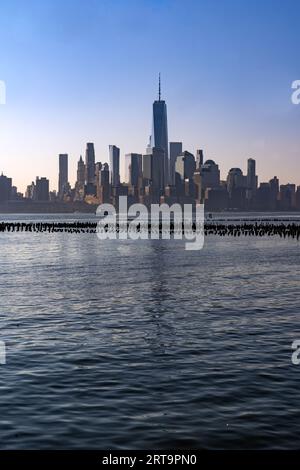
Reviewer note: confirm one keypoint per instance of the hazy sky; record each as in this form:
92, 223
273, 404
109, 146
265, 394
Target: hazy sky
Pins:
79, 71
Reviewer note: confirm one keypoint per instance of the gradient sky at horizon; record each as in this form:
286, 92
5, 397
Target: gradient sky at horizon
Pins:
79, 71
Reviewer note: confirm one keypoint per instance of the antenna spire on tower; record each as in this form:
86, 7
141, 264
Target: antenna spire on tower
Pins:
159, 87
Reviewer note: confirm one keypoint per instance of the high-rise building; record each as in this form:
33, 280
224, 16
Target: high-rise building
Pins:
216, 198
153, 172
199, 159
175, 150
98, 168
252, 183
114, 165
274, 192
30, 190
159, 136
5, 188
41, 192
251, 175
133, 168
103, 193
297, 198
210, 175
236, 179
15, 195
80, 173
158, 171
80, 181
147, 165
90, 164
63, 173
198, 186
185, 165
263, 197
287, 196
237, 188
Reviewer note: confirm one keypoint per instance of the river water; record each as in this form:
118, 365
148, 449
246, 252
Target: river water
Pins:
142, 344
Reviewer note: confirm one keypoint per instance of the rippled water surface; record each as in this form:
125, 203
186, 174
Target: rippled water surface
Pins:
145, 345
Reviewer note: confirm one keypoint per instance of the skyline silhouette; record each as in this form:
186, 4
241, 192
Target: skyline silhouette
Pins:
165, 173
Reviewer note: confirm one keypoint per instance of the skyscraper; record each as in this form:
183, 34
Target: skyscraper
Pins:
199, 159
153, 172
287, 194
103, 186
147, 167
5, 188
159, 136
251, 175
90, 164
80, 173
252, 184
63, 173
237, 188
41, 189
274, 188
185, 165
157, 172
175, 150
98, 168
210, 175
114, 165
79, 186
236, 179
133, 168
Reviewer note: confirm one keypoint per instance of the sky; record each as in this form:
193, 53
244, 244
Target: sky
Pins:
87, 71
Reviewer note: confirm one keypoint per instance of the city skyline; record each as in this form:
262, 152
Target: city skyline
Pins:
73, 160
165, 173
228, 89
117, 161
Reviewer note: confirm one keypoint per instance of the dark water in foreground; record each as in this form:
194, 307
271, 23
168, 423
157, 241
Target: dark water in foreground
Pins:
145, 345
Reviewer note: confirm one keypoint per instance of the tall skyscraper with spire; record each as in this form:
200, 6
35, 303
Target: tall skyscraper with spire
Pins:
159, 136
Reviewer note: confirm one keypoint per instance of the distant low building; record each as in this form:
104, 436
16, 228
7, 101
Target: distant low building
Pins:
263, 197
237, 189
297, 198
287, 197
216, 199
209, 177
